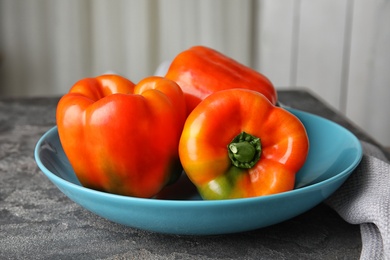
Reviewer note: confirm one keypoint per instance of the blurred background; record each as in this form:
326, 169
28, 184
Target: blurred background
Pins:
338, 49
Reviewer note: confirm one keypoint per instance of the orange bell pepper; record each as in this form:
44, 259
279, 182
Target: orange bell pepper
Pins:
200, 71
120, 137
237, 144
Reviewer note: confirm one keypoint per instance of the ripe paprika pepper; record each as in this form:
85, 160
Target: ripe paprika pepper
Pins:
236, 144
200, 71
120, 137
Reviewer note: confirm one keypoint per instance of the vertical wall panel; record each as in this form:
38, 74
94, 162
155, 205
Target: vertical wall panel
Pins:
178, 26
107, 37
274, 40
226, 26
67, 44
321, 46
139, 20
220, 24
10, 56
43, 47
369, 78
22, 49
122, 37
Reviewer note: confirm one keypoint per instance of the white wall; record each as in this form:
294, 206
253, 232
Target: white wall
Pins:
339, 49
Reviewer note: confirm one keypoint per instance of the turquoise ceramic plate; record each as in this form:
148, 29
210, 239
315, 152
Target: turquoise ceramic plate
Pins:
334, 154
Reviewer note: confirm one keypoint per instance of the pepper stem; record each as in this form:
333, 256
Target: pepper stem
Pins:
244, 150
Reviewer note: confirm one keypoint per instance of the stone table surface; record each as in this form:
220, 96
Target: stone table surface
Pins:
37, 221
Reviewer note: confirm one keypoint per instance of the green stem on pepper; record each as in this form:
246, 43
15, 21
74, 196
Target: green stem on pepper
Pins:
244, 150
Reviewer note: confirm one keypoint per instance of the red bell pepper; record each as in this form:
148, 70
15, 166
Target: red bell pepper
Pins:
201, 71
120, 137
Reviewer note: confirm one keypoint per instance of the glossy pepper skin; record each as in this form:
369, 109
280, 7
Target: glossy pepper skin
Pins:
200, 71
120, 137
267, 144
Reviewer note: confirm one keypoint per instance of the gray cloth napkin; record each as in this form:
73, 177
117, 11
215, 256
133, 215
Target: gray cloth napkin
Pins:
364, 199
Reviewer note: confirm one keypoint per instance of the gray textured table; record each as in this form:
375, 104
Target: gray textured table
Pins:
38, 222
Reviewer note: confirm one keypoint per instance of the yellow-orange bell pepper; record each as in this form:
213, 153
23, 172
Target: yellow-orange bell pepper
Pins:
237, 144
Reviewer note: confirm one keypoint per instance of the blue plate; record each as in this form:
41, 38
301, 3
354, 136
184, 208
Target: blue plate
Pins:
334, 154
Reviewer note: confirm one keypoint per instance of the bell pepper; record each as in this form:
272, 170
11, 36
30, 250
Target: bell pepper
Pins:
237, 144
120, 137
200, 71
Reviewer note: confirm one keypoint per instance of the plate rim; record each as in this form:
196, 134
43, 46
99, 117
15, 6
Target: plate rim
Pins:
200, 202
